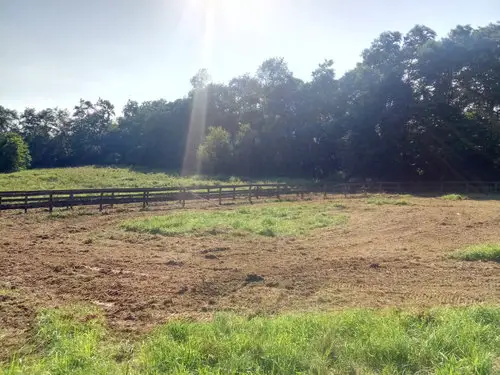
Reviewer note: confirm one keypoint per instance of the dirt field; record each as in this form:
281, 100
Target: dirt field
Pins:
385, 256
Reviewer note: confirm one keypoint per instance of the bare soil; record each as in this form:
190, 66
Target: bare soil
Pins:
386, 256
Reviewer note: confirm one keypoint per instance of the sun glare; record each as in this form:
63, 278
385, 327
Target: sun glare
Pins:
233, 14
211, 18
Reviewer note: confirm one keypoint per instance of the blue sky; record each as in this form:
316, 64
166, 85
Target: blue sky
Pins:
55, 52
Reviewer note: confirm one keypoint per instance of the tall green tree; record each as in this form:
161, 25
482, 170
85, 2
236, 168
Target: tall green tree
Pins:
14, 153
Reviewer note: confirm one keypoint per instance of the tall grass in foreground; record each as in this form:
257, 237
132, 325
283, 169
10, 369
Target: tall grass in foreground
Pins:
438, 341
485, 252
283, 219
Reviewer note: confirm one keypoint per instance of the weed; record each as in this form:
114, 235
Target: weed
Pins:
381, 200
484, 252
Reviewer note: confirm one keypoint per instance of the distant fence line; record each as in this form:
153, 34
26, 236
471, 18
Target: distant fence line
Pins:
24, 200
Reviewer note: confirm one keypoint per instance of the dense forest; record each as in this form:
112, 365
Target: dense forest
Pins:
415, 107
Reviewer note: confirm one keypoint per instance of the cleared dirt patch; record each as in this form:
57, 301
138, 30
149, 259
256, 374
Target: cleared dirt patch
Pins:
386, 255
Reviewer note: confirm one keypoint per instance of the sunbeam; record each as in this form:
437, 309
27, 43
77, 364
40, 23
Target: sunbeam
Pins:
197, 122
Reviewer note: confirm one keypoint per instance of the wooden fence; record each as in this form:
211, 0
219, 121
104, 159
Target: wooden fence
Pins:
50, 199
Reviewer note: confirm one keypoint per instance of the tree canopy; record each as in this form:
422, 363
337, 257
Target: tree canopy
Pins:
415, 107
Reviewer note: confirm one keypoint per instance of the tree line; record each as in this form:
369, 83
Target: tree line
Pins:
415, 107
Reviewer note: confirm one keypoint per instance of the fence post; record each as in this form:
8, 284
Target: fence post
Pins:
112, 199
26, 203
100, 201
278, 191
208, 194
250, 193
71, 196
220, 196
144, 200
234, 193
183, 197
51, 203
324, 191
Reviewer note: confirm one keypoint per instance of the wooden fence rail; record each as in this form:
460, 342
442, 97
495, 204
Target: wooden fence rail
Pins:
51, 199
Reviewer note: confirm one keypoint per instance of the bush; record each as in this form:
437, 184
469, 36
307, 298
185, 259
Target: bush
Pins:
14, 153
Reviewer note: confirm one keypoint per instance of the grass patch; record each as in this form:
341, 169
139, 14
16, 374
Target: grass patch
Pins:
454, 197
275, 220
437, 341
67, 341
380, 200
105, 177
484, 252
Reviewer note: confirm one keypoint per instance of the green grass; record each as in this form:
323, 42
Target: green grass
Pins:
438, 341
381, 200
68, 341
483, 252
283, 219
454, 197
101, 177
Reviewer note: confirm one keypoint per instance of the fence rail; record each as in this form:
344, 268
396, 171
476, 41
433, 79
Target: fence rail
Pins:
24, 200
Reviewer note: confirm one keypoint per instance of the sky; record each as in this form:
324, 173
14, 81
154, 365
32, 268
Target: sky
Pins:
54, 52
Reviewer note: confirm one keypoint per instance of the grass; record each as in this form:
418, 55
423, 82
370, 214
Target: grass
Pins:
101, 177
439, 341
483, 252
283, 219
381, 200
454, 197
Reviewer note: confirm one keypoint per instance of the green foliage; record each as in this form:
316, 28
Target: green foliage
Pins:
274, 220
14, 153
215, 153
437, 341
68, 341
484, 252
454, 197
380, 200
